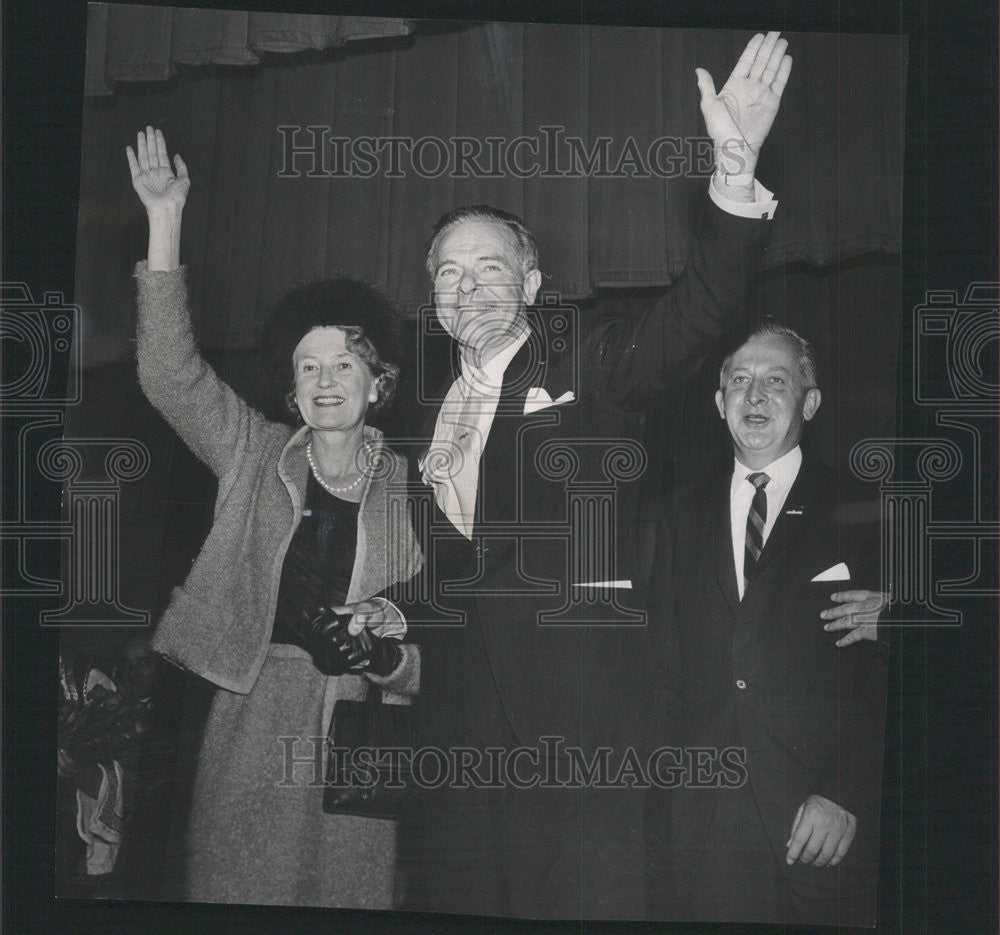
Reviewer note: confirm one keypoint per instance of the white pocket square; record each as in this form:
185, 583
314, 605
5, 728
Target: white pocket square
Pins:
537, 399
837, 572
625, 584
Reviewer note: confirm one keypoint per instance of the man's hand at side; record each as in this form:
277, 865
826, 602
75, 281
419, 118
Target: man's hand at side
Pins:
821, 833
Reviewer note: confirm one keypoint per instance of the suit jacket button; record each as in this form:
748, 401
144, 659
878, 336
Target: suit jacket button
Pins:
740, 684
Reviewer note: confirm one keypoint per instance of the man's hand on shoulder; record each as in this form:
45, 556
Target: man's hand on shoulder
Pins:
821, 833
857, 612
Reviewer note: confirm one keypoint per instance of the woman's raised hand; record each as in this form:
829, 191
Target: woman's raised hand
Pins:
156, 183
163, 193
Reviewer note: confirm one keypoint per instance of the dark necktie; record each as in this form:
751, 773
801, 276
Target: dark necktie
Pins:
756, 519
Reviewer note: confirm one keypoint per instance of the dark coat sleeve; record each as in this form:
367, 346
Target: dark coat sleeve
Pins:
664, 647
636, 358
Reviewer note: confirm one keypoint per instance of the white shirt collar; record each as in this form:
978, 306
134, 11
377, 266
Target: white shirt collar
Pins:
782, 471
488, 379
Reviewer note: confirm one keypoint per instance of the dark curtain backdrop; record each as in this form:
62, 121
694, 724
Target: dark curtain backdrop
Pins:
833, 158
831, 268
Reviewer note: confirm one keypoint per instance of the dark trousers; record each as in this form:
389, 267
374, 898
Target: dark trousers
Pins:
530, 853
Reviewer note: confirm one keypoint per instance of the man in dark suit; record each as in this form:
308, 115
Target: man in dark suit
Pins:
533, 650
750, 560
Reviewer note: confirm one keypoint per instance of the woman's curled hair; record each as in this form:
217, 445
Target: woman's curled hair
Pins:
368, 318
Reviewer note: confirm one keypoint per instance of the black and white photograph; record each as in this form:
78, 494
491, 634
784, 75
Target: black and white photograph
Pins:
528, 468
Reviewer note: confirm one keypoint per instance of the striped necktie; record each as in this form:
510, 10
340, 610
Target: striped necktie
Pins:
756, 518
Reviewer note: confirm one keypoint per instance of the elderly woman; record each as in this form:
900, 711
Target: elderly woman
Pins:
302, 520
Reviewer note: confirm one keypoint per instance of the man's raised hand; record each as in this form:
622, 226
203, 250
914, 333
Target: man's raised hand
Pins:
739, 117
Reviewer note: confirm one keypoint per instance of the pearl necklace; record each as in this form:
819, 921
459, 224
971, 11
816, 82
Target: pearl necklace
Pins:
329, 488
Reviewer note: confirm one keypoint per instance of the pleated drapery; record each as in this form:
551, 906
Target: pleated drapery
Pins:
147, 43
305, 166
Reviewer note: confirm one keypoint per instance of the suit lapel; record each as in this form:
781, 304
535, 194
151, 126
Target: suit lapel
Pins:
530, 367
500, 474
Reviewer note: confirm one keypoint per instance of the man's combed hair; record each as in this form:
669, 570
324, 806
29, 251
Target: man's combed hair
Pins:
368, 318
527, 247
808, 368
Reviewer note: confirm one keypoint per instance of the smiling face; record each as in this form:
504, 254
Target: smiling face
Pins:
333, 385
480, 286
764, 400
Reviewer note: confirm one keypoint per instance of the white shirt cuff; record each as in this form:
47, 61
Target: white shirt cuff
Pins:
763, 205
395, 629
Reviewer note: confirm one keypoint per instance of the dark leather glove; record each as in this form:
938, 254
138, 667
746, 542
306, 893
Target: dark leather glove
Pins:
383, 655
325, 636
336, 651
